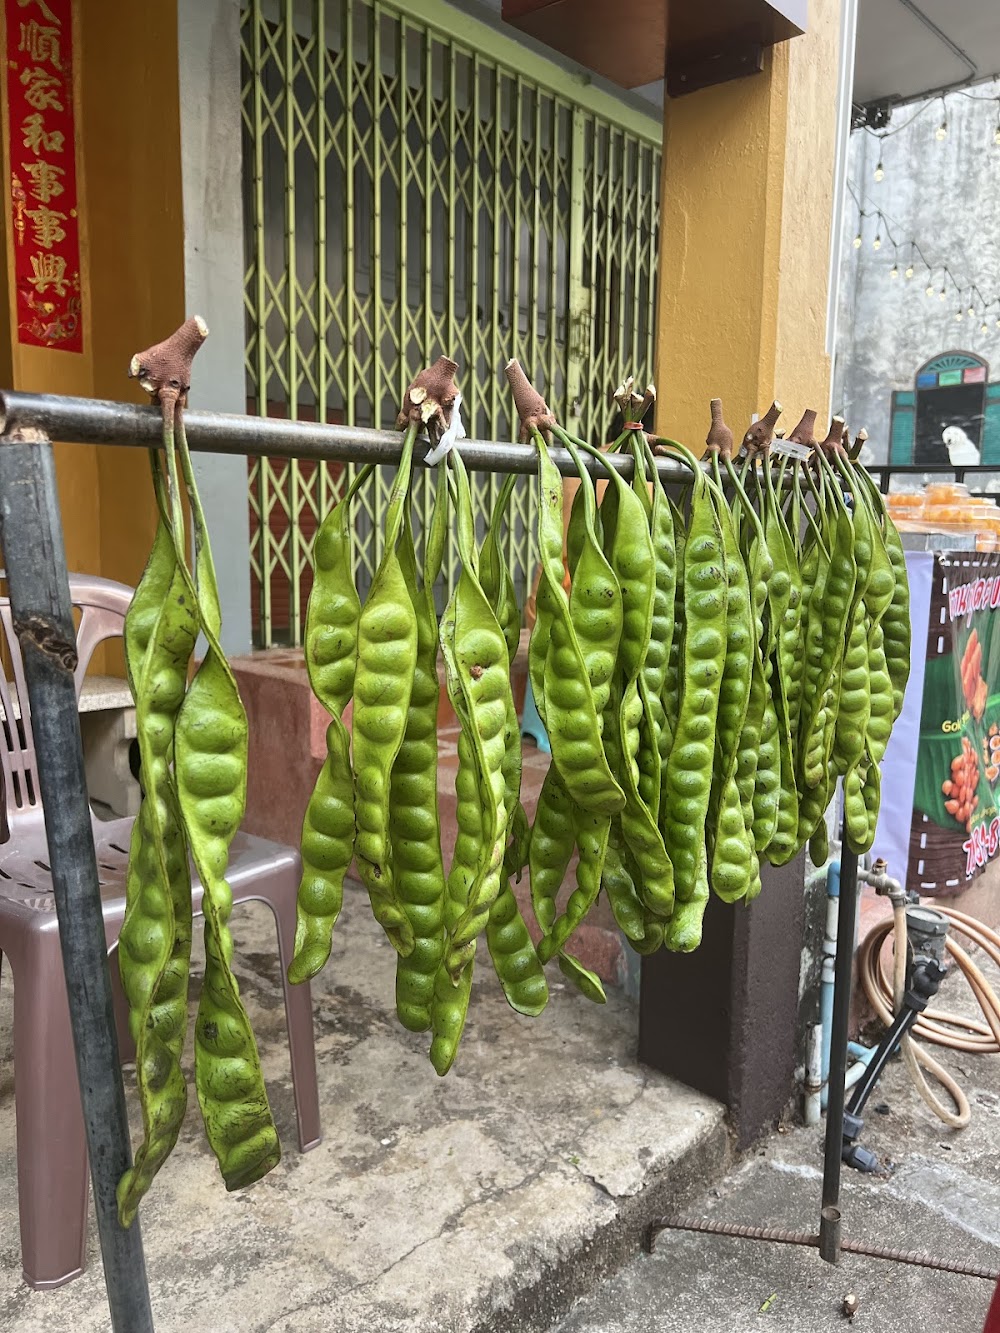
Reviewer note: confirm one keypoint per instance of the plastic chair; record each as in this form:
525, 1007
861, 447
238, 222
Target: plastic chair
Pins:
52, 1174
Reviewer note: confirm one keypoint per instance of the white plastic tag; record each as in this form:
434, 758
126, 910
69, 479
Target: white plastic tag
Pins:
789, 449
454, 433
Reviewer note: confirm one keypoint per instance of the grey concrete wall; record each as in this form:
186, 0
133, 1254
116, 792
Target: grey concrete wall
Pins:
946, 196
209, 44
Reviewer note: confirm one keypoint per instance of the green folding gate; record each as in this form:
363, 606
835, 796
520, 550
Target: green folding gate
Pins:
416, 183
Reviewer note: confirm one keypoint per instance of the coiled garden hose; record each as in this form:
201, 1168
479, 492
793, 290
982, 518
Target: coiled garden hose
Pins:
936, 1026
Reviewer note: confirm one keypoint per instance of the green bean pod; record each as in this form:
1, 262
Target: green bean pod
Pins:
855, 699
478, 668
514, 958
587, 983
620, 888
838, 594
688, 777
450, 1001
331, 653
671, 694
387, 655
551, 847
654, 666
881, 690
415, 832
591, 834
155, 939
570, 719
733, 866
210, 758
855, 812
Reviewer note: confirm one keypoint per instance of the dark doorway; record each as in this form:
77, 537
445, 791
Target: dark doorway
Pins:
951, 405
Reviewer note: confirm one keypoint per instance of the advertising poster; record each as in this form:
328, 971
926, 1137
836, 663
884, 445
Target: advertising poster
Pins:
955, 826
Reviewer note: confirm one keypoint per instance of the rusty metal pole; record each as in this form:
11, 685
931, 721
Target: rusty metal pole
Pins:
32, 538
829, 1218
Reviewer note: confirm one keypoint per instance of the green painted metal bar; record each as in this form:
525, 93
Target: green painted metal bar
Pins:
517, 203
495, 415
450, 300
333, 74
404, 212
263, 530
350, 259
322, 313
292, 472
654, 258
551, 325
536, 230
528, 59
378, 309
577, 315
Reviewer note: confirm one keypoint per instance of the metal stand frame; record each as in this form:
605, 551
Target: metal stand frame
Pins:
843, 975
31, 535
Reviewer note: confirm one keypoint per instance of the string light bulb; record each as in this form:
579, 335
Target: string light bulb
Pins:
877, 243
895, 272
942, 294
984, 327
930, 289
996, 132
880, 171
971, 311
909, 270
857, 241
941, 132
959, 314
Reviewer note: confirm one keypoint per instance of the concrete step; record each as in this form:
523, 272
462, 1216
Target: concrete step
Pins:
938, 1193
488, 1200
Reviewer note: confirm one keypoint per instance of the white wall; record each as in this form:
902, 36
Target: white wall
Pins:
209, 45
946, 195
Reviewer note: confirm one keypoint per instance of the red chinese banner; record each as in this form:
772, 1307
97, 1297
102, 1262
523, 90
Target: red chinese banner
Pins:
45, 225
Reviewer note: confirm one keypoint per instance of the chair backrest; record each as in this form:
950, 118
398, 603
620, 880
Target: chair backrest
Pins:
101, 604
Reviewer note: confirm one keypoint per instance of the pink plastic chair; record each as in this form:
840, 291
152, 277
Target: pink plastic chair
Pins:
52, 1173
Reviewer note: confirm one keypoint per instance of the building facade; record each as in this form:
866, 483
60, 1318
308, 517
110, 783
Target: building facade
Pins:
918, 351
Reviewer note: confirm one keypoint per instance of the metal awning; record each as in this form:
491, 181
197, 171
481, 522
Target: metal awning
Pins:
909, 49
634, 42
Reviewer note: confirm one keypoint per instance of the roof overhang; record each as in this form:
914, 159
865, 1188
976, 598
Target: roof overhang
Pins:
911, 49
637, 42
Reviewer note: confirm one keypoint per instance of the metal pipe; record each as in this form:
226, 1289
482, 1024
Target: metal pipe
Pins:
97, 421
31, 533
829, 1227
779, 1236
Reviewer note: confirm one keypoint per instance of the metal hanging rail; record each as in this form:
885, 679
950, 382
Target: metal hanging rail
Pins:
98, 421
32, 539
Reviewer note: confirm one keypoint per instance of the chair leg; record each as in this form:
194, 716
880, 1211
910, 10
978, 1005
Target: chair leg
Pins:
52, 1176
126, 1046
299, 1018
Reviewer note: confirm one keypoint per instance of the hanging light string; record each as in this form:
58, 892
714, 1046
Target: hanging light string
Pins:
941, 132
912, 251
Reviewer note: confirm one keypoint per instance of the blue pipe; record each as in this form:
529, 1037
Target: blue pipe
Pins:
531, 724
861, 1054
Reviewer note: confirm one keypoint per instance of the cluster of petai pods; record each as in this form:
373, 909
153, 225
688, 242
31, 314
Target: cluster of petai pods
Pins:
708, 661
193, 749
709, 658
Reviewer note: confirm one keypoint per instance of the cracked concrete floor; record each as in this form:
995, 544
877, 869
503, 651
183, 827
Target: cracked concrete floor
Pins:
483, 1201
937, 1192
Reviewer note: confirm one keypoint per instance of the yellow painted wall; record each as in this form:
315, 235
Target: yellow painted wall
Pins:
745, 229
132, 251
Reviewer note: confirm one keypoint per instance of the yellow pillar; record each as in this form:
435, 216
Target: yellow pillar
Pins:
744, 239
127, 122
